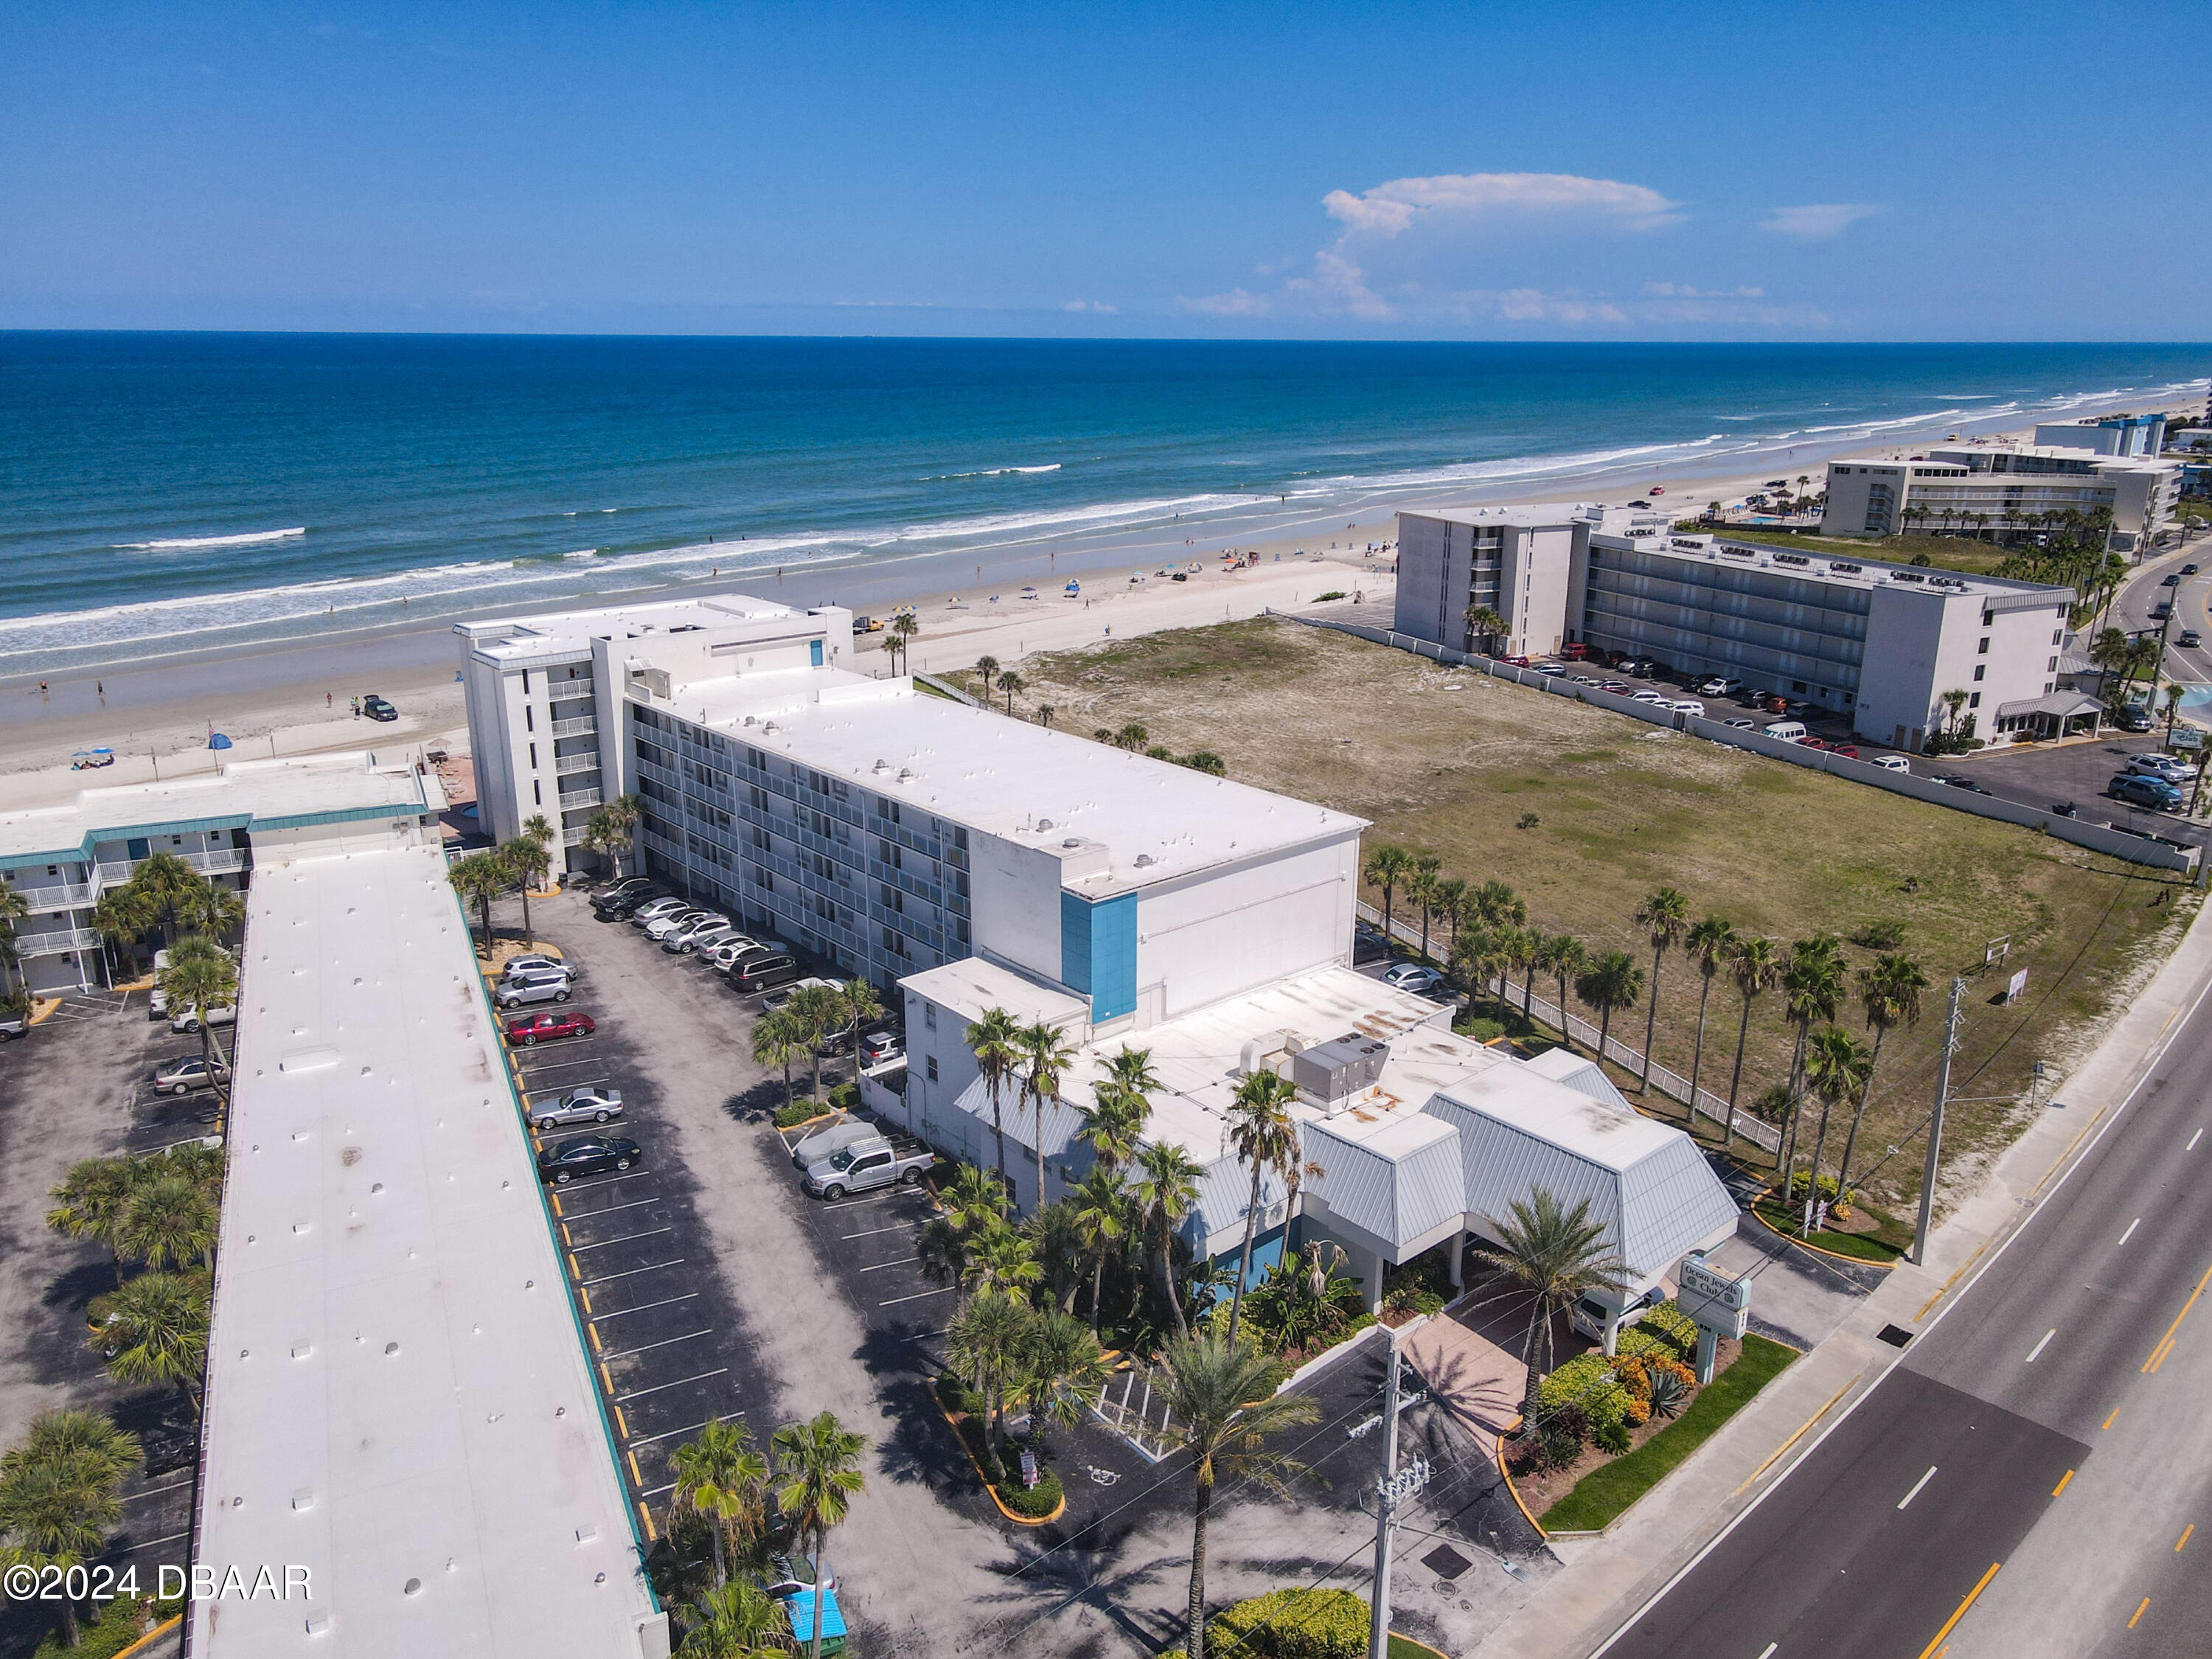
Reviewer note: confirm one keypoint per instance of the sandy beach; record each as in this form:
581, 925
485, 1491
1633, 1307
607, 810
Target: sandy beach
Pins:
295, 699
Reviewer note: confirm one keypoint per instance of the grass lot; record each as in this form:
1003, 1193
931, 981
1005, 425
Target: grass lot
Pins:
1962, 553
1605, 1491
1891, 1239
1450, 762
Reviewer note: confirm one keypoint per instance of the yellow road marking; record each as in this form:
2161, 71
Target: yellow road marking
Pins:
2107, 1423
557, 1204
574, 1272
592, 1331
566, 1236
1952, 1623
2064, 1481
1800, 1435
622, 1424
2166, 1343
2141, 1609
584, 1297
634, 1473
1949, 1282
606, 1378
2183, 1539
651, 1537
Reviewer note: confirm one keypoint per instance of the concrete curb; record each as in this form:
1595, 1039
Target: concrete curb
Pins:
152, 1636
1833, 1255
990, 1488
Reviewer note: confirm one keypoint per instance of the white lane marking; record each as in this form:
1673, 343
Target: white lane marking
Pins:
1767, 1652
2131, 1233
1916, 1486
917, 1297
2193, 1139
2039, 1346
903, 1226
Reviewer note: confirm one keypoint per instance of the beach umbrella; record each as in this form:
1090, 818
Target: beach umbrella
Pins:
216, 740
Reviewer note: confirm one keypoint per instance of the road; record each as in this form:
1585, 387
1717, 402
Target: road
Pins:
2023, 1480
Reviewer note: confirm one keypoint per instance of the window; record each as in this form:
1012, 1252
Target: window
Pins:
1974, 702
933, 1062
1980, 668
929, 1015
537, 792
2051, 667
533, 756
2058, 636
1983, 649
526, 681
529, 717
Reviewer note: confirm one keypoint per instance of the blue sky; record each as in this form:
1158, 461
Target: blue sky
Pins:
1973, 171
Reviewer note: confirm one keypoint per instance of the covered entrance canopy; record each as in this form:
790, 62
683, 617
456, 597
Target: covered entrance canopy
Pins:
2060, 714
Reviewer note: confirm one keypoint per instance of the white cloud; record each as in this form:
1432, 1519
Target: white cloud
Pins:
1099, 305
1390, 209
1686, 291
1817, 221
1237, 302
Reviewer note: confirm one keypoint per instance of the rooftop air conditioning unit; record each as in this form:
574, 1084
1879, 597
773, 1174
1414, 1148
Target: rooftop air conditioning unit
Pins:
1333, 1074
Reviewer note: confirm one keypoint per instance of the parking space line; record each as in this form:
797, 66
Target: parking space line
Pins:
151, 1542
669, 1302
662, 1387
670, 1434
895, 1301
586, 1215
155, 1491
872, 1231
896, 1261
655, 1491
593, 1185
609, 1279
624, 1353
627, 1238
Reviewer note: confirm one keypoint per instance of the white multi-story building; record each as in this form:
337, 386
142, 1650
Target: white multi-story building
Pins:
62, 860
1510, 560
2005, 489
2110, 434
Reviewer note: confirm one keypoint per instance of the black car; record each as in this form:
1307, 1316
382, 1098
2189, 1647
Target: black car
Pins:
1959, 780
2160, 612
2189, 570
2133, 720
378, 709
170, 1446
2173, 579
2189, 638
614, 906
760, 973
589, 1156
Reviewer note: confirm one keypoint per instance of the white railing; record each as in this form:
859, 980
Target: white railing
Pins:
580, 726
1710, 1105
574, 837
222, 861
564, 765
578, 798
60, 896
53, 943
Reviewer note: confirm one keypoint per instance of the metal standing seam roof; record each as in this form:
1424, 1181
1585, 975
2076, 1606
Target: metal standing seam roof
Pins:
1399, 1194
398, 1398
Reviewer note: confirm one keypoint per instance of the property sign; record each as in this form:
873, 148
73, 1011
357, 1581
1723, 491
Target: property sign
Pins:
2185, 739
2016, 987
1717, 1302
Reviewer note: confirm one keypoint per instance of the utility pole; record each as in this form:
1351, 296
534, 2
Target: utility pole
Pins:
1936, 1124
1378, 1623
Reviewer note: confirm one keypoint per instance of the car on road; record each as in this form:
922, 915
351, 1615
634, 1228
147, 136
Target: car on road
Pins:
867, 1165
2189, 570
378, 708
759, 973
1960, 781
2173, 579
653, 910
590, 1155
2160, 612
576, 1106
2190, 639
2138, 790
2134, 718
189, 1020
181, 1076
1892, 763
2172, 768
1412, 976
810, 1150
516, 967
535, 1029
527, 990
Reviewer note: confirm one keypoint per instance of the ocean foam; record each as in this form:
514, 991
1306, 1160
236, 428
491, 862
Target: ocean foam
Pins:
177, 543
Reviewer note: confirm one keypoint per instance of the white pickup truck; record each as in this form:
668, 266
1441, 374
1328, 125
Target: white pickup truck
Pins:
867, 1165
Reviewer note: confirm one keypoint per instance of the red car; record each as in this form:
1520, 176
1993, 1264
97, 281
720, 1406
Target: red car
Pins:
1814, 743
545, 1027
1848, 750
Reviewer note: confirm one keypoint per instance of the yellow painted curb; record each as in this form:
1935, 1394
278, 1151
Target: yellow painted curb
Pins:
152, 1636
1833, 1255
989, 1487
42, 1008
1505, 1474
804, 1122
1399, 1636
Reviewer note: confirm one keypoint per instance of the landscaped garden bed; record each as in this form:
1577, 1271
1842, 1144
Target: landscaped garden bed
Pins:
1001, 1472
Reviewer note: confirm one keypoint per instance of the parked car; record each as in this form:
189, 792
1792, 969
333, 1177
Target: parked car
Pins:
2134, 718
2065, 809
527, 990
377, 709
577, 1106
616, 903
1742, 723
1554, 669
516, 967
1648, 696
2139, 790
1848, 750
877, 1047
189, 1019
1641, 667
1892, 763
1814, 743
670, 921
170, 1446
1582, 679
1588, 1316
1688, 706
2172, 768
1618, 688
1721, 686
181, 1076
810, 1150
683, 939
590, 1156
867, 1165
2190, 638
653, 910
546, 1027
1411, 976
759, 973
731, 949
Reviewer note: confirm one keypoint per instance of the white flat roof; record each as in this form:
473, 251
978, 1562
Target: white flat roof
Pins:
570, 633
268, 792
1148, 820
1612, 1137
1536, 515
398, 1395
1841, 569
972, 986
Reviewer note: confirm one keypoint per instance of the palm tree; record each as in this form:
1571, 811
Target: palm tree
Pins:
1388, 865
1524, 948
820, 1463
1100, 1218
1011, 682
1812, 987
168, 884
815, 1009
739, 1620
944, 1254
622, 815
156, 1332
211, 909
1167, 1191
1559, 1256
1495, 904
1421, 889
1045, 1057
985, 667
1003, 1264
201, 978
1062, 1369
1566, 957
1478, 956
1262, 1133
975, 1200
1664, 916
992, 1040
903, 628
479, 878
525, 860
1837, 1066
777, 1040
14, 908
1044, 713
61, 1493
122, 917
1484, 624
90, 1198
985, 1345
1954, 701
1132, 737
1222, 1409
1753, 963
168, 1220
1451, 899
722, 1478
1889, 993
1613, 981
1120, 1104
1050, 1231
862, 1007
1709, 943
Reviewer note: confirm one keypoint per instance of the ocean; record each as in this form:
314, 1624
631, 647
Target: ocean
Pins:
171, 492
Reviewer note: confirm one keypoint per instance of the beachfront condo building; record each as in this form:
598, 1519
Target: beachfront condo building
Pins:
2138, 436
62, 859
2003, 490
1881, 643
965, 861
1511, 561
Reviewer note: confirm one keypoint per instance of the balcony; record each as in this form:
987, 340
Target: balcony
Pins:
58, 896
54, 942
222, 861
574, 798
569, 765
582, 726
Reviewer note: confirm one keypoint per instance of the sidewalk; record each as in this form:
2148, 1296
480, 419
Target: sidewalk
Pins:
1608, 1578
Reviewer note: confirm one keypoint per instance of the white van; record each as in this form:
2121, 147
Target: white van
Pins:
1787, 731
1688, 705
1892, 763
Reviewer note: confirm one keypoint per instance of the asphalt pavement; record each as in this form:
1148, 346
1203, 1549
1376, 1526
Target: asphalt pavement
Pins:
2024, 1480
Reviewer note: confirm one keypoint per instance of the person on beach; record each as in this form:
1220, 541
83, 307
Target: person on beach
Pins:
356, 708
42, 692
326, 700
101, 688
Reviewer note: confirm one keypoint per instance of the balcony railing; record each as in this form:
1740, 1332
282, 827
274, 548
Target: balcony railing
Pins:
566, 765
580, 798
57, 940
222, 861
58, 896
580, 726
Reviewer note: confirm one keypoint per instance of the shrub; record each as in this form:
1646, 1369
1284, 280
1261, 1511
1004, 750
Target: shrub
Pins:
1587, 1383
1884, 935
1033, 1503
846, 1096
1293, 1624
1671, 1325
957, 1396
120, 1624
1612, 1437
1333, 593
1672, 1384
1802, 1183
797, 1112
1637, 1381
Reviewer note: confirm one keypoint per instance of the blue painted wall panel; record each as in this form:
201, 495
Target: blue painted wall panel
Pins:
1099, 951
